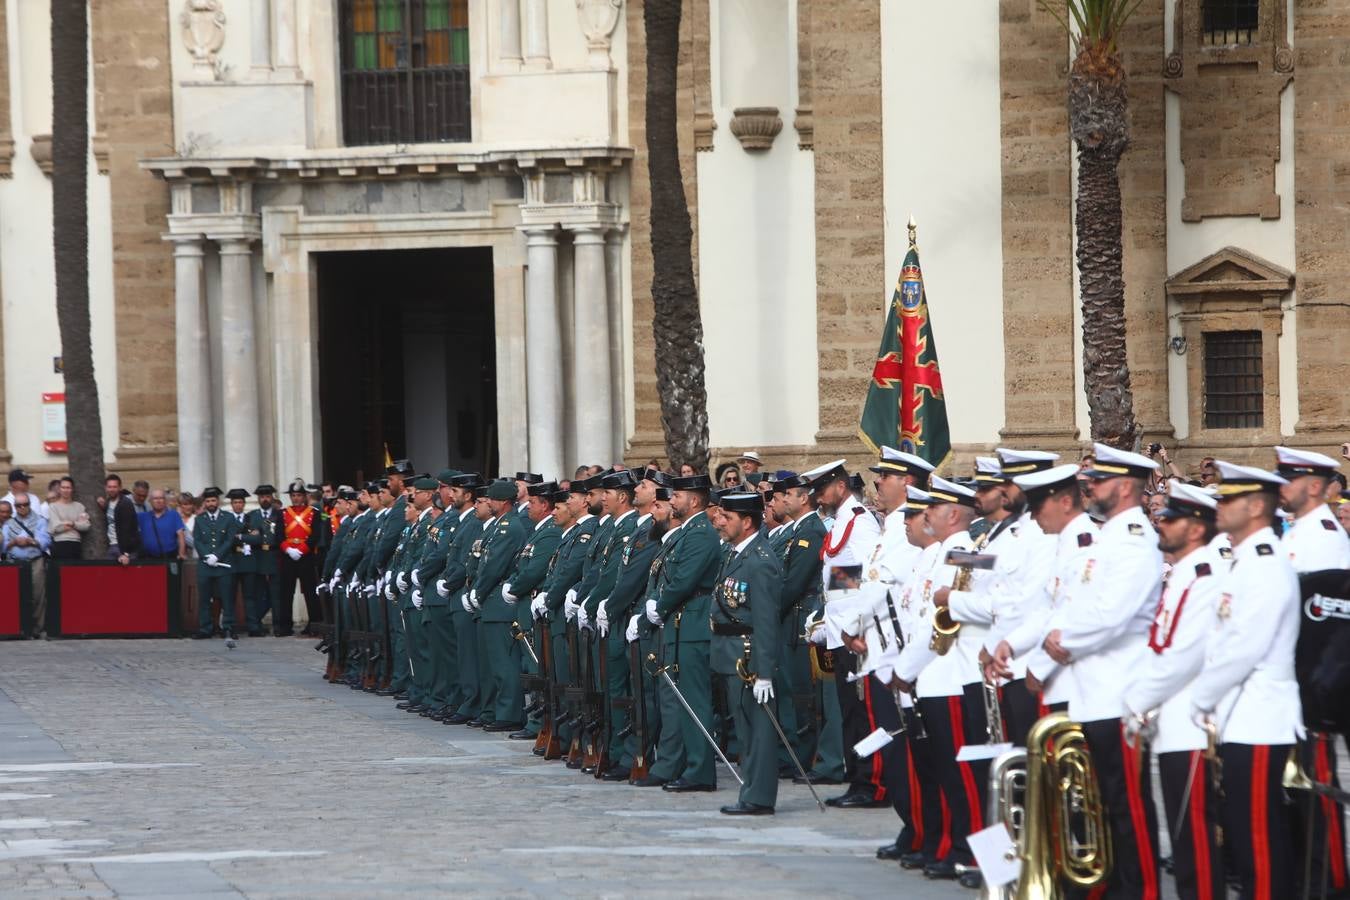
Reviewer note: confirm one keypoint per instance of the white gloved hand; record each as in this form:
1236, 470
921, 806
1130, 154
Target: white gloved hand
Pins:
388, 591
652, 615
246, 549
473, 599
583, 618
630, 633
539, 606
294, 553
602, 620
332, 584
441, 588
416, 580
337, 575
464, 602
402, 581
506, 592
763, 690
570, 605
417, 599
355, 584
212, 559
1201, 717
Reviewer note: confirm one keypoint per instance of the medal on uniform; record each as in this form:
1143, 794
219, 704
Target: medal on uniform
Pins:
1225, 606
1087, 570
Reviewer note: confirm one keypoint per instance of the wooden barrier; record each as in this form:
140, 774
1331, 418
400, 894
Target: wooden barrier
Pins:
98, 598
16, 601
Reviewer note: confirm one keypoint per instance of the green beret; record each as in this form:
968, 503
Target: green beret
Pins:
502, 490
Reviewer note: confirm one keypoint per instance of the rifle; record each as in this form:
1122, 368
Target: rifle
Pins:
640, 767
548, 744
604, 722
574, 695
589, 720
387, 644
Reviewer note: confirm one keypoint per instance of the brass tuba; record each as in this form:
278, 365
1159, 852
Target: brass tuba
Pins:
1007, 804
1064, 836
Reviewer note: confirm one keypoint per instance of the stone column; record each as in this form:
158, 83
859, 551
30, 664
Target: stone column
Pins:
239, 365
284, 46
536, 34
510, 31
543, 352
618, 406
260, 37
193, 366
593, 381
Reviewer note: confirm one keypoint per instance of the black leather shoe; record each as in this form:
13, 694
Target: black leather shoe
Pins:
537, 751
523, 734
456, 719
616, 773
417, 708
476, 723
681, 786
944, 870
854, 801
913, 860
588, 770
786, 772
384, 692
815, 779
501, 726
401, 695
650, 781
971, 878
890, 852
283, 633
404, 705
741, 808
576, 764
201, 635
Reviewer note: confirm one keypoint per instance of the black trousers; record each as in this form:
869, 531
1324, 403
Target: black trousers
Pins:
856, 704
898, 770
1193, 814
945, 720
1256, 831
1021, 708
934, 819
1324, 843
292, 571
1125, 780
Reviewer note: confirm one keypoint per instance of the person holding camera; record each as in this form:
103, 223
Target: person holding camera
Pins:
1171, 470
26, 541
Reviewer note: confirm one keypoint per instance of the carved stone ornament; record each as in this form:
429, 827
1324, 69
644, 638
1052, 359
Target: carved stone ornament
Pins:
203, 23
41, 149
704, 126
598, 18
756, 126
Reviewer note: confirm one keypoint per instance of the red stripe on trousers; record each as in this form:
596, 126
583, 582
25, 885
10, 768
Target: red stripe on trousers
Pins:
1143, 840
878, 787
945, 845
1259, 821
1204, 881
1331, 813
915, 799
1041, 709
967, 777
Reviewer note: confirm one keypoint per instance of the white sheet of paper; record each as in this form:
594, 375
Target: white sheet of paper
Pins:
872, 743
996, 855
973, 752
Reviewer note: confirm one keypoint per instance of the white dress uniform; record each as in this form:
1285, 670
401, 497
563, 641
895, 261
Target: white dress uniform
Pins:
852, 538
1316, 541
889, 561
931, 674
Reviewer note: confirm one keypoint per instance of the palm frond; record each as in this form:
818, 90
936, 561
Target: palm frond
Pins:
1098, 22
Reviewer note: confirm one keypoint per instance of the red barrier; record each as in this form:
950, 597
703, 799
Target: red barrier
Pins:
11, 603
107, 599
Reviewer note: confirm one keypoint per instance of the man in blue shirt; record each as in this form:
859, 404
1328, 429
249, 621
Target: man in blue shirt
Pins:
25, 539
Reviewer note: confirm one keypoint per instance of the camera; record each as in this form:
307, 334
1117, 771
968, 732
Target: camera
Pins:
1154, 448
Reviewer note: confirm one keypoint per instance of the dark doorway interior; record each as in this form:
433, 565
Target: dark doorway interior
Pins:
407, 361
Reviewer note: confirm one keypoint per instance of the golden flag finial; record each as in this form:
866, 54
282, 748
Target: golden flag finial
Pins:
913, 231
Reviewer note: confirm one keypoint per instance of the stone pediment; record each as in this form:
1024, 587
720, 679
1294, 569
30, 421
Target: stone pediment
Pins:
1231, 270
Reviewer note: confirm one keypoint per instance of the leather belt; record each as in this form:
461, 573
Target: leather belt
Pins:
729, 629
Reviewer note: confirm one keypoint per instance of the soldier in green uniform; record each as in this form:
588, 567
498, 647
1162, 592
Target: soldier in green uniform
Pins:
213, 538
683, 594
470, 681
426, 571
648, 636
518, 592
401, 672
349, 594
241, 562
262, 583
344, 507
498, 649
746, 642
573, 515
463, 494
410, 601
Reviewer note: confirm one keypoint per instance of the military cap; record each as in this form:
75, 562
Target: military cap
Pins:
988, 471
238, 494
1108, 462
661, 493
690, 483
916, 500
371, 487
944, 491
820, 476
855, 483
1020, 462
1292, 463
210, 492
742, 502
783, 475
297, 486
448, 476
1187, 502
1042, 484
347, 492
468, 480
399, 467
502, 490
265, 490
661, 478
624, 478
579, 486
529, 477
426, 484
754, 478
382, 483
542, 489
715, 495
560, 496
902, 463
1235, 480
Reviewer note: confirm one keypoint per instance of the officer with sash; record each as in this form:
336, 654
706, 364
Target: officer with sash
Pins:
302, 536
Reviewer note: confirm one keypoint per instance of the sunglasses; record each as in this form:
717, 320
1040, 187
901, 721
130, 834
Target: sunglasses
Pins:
22, 505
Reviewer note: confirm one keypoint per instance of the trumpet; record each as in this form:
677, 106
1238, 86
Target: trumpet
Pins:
993, 714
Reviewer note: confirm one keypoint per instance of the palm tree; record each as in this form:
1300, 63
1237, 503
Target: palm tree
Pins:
676, 325
1099, 124
70, 242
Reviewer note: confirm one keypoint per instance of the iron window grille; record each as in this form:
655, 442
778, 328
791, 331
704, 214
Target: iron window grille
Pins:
1227, 23
1234, 393
405, 71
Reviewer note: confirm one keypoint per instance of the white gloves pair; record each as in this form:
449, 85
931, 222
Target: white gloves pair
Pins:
652, 615
211, 559
570, 604
539, 606
402, 581
630, 633
441, 588
294, 553
763, 689
818, 636
506, 593
602, 620
417, 599
246, 549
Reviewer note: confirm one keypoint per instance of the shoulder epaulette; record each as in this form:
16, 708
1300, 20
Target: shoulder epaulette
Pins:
1085, 539
1225, 552
1135, 529
1265, 550
1328, 525
1202, 569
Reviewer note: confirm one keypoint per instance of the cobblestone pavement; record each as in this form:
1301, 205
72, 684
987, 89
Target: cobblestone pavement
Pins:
177, 768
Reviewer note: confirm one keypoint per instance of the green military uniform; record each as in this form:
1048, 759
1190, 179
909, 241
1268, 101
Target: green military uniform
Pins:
622, 603
683, 595
384, 541
529, 575
328, 581
349, 591
472, 661
213, 538
496, 645
463, 641
416, 634
614, 684
746, 625
802, 597
438, 626
398, 638
565, 571
262, 588
778, 539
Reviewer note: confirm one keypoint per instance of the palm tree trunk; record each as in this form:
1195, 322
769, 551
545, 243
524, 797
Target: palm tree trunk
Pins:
70, 240
1098, 120
676, 324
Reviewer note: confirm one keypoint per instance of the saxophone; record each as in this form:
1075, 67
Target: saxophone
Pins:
945, 628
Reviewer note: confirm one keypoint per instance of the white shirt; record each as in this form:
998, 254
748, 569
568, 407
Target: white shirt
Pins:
934, 675
1072, 572
862, 537
1316, 541
890, 559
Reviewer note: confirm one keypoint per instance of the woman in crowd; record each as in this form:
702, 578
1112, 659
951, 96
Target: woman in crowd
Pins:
67, 521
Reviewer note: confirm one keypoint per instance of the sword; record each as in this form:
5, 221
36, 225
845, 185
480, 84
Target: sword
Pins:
664, 672
404, 619
524, 638
792, 753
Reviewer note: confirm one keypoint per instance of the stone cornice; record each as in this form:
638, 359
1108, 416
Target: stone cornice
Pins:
365, 162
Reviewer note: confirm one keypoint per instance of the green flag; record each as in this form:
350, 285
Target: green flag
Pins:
905, 406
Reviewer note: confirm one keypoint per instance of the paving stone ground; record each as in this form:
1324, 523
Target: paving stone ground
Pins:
180, 769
